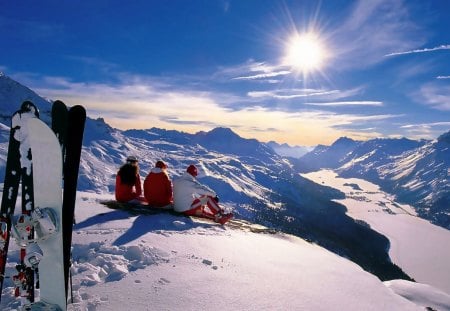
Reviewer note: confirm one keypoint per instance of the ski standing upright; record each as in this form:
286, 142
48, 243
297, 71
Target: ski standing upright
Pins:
68, 125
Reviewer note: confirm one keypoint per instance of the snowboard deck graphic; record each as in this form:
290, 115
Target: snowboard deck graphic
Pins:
47, 177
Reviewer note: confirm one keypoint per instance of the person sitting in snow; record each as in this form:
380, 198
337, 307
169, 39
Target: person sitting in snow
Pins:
194, 199
128, 182
158, 187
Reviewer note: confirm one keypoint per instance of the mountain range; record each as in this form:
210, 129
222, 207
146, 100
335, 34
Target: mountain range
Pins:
251, 178
416, 172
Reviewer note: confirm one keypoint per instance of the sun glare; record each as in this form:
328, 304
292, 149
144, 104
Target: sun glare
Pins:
305, 53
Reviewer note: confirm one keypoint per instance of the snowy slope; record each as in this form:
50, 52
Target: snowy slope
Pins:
423, 176
165, 262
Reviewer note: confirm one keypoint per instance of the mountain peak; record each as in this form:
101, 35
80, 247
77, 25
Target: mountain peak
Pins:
223, 139
444, 138
222, 132
343, 141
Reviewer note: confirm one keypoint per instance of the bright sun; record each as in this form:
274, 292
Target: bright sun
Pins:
305, 53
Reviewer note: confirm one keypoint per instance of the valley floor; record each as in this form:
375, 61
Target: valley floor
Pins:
420, 248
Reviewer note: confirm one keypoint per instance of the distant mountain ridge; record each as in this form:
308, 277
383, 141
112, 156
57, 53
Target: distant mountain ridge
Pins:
286, 150
417, 172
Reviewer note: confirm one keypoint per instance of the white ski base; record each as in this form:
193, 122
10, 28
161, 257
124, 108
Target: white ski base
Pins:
47, 183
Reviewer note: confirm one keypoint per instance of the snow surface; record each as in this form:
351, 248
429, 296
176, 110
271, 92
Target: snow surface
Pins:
420, 248
166, 262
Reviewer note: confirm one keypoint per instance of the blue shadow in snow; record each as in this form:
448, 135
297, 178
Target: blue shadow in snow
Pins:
143, 224
102, 218
150, 223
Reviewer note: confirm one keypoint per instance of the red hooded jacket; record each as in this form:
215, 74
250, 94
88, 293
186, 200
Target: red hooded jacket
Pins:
158, 188
125, 193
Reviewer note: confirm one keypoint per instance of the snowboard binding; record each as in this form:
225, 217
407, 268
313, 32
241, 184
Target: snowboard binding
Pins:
42, 220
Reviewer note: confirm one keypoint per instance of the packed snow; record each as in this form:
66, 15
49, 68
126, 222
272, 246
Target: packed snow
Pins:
167, 262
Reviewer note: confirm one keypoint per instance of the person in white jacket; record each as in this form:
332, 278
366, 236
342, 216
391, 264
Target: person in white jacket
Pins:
192, 198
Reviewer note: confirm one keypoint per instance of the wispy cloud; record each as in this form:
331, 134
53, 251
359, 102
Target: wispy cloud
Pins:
425, 130
317, 94
263, 75
347, 103
425, 50
427, 125
442, 77
372, 28
435, 96
290, 94
253, 71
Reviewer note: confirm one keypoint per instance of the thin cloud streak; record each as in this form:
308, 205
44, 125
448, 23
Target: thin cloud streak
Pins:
347, 103
319, 94
427, 125
425, 50
263, 75
275, 94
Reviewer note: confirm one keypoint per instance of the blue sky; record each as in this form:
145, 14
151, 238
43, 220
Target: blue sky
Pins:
301, 72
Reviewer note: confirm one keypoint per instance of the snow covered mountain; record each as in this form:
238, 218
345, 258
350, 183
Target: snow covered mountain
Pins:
417, 172
250, 178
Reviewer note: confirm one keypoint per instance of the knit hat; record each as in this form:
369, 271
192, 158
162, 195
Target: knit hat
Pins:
132, 159
192, 170
160, 164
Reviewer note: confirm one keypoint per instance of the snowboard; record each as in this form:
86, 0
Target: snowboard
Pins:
47, 176
139, 209
145, 209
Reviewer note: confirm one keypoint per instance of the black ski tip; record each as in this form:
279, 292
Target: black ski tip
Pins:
59, 105
78, 110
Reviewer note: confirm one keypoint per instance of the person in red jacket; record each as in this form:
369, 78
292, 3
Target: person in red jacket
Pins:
128, 182
158, 187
